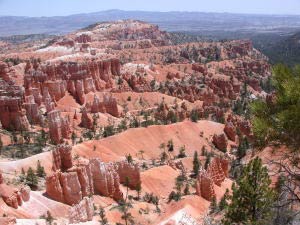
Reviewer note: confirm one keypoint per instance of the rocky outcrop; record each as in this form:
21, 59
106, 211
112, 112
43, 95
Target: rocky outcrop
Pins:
130, 170
108, 105
220, 141
59, 127
199, 68
62, 158
230, 131
68, 184
137, 83
105, 179
84, 173
32, 110
78, 78
64, 187
6, 72
71, 183
12, 115
254, 83
8, 220
66, 42
82, 212
25, 193
224, 164
14, 197
53, 187
71, 187
97, 105
86, 120
244, 127
83, 38
216, 173
205, 186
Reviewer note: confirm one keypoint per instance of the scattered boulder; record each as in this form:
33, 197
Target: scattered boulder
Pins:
220, 141
230, 131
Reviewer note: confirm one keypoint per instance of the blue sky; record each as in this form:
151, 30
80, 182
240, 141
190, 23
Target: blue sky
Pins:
67, 7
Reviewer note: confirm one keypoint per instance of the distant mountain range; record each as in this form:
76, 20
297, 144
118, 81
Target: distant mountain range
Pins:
275, 35
170, 21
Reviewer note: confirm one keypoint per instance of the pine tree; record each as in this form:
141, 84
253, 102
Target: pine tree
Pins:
242, 148
203, 151
223, 202
163, 157
162, 146
22, 176
182, 152
252, 196
43, 137
103, 220
141, 152
49, 218
196, 164
186, 190
129, 158
179, 182
138, 189
174, 196
170, 146
207, 161
124, 206
21, 147
194, 116
31, 178
279, 119
213, 205
73, 137
40, 171
26, 137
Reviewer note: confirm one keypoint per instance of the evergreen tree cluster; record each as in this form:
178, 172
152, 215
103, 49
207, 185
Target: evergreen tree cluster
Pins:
252, 198
278, 119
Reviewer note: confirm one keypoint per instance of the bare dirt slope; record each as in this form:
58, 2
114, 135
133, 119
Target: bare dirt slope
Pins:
149, 139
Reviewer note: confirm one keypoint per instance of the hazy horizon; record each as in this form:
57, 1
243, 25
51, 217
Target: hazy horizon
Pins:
154, 11
48, 8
